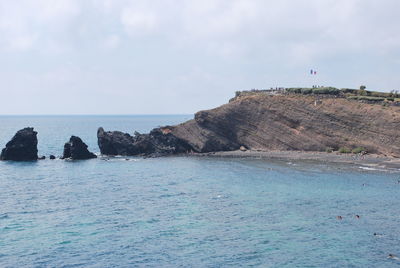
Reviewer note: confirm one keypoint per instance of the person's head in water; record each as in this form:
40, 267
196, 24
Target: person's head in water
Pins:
339, 217
357, 216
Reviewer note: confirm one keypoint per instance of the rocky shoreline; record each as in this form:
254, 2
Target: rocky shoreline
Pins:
273, 126
372, 160
23, 147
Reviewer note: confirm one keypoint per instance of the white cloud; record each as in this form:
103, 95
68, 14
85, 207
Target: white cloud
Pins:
112, 41
137, 21
25, 23
240, 42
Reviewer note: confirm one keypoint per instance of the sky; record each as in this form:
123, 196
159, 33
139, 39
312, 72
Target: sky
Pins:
182, 56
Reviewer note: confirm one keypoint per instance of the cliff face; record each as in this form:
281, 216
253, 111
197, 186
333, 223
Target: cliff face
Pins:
291, 122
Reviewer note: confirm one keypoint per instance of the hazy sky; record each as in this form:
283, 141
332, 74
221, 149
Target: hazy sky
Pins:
181, 56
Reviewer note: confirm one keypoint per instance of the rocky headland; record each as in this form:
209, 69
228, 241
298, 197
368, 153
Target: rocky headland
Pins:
303, 120
263, 121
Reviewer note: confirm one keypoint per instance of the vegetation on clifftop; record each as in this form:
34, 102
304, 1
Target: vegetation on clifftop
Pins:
351, 94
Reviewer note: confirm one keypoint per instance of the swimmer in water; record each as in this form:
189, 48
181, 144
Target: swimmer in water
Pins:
357, 216
339, 217
393, 257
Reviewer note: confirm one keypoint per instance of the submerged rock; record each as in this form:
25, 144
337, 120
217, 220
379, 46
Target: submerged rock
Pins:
22, 147
158, 142
42, 157
76, 149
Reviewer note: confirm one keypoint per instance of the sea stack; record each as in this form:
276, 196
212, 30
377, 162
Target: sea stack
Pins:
22, 147
76, 149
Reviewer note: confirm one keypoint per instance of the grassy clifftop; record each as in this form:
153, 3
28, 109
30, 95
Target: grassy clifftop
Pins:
326, 92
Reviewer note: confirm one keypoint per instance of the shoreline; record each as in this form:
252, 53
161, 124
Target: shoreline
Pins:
372, 160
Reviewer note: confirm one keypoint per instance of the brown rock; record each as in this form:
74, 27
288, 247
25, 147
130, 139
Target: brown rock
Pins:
279, 122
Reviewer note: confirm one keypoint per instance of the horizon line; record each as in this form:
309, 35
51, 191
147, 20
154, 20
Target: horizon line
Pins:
93, 114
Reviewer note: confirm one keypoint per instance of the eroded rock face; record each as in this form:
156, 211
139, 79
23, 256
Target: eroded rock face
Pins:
76, 149
285, 123
158, 142
22, 147
269, 123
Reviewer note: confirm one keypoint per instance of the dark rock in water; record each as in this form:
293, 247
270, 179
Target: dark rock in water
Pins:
42, 158
22, 147
76, 149
115, 143
52, 157
158, 142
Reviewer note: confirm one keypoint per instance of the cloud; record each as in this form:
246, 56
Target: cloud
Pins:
23, 24
144, 48
112, 41
138, 21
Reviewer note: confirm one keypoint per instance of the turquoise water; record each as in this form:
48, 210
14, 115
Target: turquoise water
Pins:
187, 211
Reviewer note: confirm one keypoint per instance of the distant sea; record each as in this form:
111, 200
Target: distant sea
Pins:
187, 211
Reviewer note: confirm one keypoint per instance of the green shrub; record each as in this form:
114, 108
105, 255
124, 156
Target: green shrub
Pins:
306, 90
365, 98
349, 90
326, 90
358, 150
381, 94
362, 92
344, 150
294, 90
329, 149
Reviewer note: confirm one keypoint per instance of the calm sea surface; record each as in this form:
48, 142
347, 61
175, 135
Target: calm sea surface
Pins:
187, 211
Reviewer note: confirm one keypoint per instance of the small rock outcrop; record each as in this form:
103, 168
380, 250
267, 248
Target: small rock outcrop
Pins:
22, 147
158, 142
52, 157
76, 149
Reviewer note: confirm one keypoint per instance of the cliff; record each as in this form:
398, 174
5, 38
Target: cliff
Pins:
280, 122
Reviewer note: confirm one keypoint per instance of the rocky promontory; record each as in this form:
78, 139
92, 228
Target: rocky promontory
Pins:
22, 147
268, 122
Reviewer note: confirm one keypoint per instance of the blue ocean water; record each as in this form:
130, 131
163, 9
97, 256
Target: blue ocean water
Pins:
187, 211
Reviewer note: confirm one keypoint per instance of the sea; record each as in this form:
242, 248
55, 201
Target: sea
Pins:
188, 211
